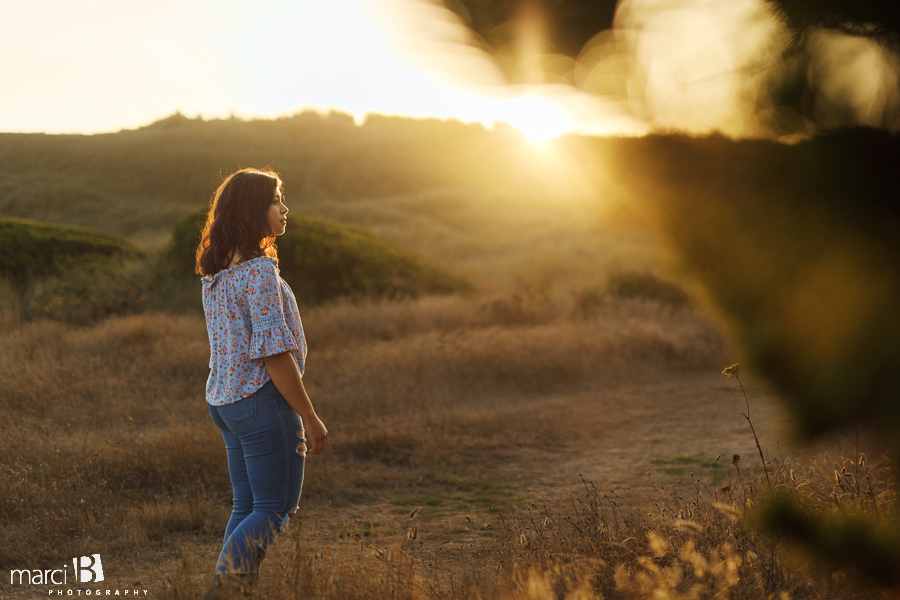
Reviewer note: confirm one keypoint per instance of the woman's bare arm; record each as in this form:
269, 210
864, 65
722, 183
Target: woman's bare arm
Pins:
286, 377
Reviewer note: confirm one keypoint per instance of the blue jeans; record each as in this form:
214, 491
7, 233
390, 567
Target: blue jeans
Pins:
266, 452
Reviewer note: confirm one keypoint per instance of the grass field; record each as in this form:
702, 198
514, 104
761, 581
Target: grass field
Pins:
459, 425
562, 431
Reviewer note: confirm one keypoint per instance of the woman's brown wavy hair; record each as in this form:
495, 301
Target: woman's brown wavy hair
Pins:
238, 221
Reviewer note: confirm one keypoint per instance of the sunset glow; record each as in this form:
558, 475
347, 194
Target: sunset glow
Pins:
691, 65
103, 65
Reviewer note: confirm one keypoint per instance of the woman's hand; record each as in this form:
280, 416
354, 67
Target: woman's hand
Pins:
316, 435
284, 373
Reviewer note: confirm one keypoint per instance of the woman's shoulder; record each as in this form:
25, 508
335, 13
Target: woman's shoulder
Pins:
255, 263
258, 269
260, 262
261, 266
254, 266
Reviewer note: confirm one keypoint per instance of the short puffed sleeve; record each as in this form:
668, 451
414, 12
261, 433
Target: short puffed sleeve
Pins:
269, 331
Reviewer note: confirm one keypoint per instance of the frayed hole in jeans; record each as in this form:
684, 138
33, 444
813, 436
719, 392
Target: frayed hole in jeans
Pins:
301, 447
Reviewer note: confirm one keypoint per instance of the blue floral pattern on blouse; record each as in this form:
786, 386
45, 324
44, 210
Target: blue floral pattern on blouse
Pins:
251, 313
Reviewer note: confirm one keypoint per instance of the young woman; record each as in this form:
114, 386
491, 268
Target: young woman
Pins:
255, 392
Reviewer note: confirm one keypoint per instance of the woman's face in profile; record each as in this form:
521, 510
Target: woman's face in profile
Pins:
277, 214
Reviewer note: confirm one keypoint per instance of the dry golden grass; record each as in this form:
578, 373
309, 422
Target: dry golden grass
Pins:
684, 540
106, 447
681, 542
105, 425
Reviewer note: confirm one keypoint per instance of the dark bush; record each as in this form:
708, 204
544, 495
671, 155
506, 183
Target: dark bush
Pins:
84, 295
30, 249
646, 286
323, 260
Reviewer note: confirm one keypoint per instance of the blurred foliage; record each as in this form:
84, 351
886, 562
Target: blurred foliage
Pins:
30, 249
566, 26
842, 539
799, 246
569, 24
323, 260
799, 249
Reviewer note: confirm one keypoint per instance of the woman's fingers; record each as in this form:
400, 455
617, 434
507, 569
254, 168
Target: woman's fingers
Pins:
317, 437
318, 446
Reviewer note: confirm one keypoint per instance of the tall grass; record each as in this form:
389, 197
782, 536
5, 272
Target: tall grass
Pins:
96, 429
682, 541
103, 426
106, 447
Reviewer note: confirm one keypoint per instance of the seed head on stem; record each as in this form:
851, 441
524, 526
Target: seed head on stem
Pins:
734, 372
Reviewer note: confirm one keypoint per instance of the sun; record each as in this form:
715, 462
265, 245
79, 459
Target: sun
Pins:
538, 118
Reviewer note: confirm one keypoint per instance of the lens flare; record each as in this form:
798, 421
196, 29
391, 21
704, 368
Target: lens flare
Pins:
538, 118
855, 80
696, 65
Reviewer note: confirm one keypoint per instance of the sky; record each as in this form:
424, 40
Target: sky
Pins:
91, 66
103, 65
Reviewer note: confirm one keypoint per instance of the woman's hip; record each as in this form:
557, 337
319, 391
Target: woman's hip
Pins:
265, 412
261, 435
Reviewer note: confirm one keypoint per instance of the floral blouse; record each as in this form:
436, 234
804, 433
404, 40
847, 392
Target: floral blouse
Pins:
251, 313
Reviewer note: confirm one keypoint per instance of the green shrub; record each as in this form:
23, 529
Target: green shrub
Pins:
84, 295
324, 260
185, 239
32, 250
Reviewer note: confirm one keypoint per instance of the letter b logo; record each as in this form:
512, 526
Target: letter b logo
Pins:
88, 569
